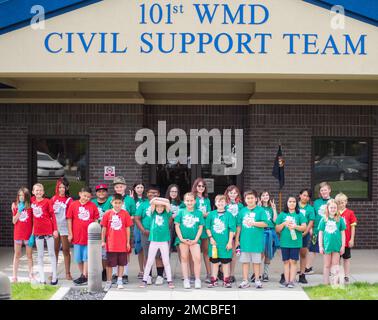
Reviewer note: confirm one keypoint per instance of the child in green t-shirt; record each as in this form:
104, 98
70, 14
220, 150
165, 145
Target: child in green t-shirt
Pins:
189, 225
220, 228
159, 239
331, 241
234, 205
270, 237
290, 224
251, 222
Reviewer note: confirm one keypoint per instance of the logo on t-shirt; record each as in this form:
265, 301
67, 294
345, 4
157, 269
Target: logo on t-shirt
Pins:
303, 211
249, 219
37, 211
148, 212
100, 212
233, 208
23, 216
189, 220
116, 223
137, 205
331, 226
159, 220
174, 209
291, 220
83, 214
321, 210
57, 205
269, 217
219, 226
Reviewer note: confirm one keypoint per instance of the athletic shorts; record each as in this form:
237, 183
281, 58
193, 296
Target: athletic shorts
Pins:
250, 257
80, 253
115, 259
220, 260
347, 254
306, 240
290, 254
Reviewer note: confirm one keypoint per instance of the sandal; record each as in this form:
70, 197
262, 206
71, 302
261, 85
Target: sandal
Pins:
140, 275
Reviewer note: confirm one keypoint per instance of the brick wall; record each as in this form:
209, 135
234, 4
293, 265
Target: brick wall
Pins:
111, 131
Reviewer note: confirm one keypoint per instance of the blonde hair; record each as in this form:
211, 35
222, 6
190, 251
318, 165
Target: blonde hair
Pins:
341, 197
324, 184
220, 197
337, 215
189, 194
39, 185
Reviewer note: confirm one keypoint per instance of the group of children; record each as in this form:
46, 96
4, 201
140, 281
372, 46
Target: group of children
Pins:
249, 231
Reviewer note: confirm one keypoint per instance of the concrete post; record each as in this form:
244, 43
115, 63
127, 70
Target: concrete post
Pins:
5, 287
94, 258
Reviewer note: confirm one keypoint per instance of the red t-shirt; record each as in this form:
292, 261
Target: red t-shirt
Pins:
116, 224
82, 216
44, 221
58, 200
24, 225
350, 219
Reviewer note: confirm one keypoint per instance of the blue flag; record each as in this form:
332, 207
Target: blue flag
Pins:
278, 168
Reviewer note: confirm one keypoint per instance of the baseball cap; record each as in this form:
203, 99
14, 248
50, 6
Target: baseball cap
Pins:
101, 186
119, 180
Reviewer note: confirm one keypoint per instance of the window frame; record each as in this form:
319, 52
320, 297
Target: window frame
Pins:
369, 141
32, 158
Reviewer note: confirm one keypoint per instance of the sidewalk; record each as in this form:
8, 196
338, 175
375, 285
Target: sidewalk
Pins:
363, 267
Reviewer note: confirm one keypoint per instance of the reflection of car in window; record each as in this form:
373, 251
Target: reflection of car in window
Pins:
47, 167
340, 168
81, 168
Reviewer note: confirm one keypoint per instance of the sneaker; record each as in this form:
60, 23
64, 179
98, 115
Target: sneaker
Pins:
159, 281
244, 284
232, 279
171, 285
81, 281
282, 280
125, 279
346, 280
258, 284
192, 280
253, 278
290, 285
208, 279
309, 271
283, 284
140, 275
197, 284
302, 278
265, 277
213, 284
149, 280
54, 283
108, 286
227, 284
186, 284
119, 283
143, 284
104, 275
114, 279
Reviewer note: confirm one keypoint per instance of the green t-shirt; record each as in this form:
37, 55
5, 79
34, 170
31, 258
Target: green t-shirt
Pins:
251, 237
144, 211
319, 207
203, 205
234, 208
332, 239
220, 226
102, 207
128, 205
139, 202
159, 230
285, 238
175, 207
308, 212
269, 215
189, 223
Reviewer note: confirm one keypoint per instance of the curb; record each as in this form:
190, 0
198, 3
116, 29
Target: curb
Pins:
62, 291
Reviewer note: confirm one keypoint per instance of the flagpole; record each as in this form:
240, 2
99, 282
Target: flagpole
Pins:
280, 200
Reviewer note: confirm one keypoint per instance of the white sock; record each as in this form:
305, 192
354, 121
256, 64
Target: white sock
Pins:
126, 270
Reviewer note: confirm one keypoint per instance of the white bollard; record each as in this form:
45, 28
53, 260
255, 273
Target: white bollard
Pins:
94, 258
5, 287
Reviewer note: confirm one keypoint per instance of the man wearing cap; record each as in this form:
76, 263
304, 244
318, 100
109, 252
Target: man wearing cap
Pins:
103, 204
119, 184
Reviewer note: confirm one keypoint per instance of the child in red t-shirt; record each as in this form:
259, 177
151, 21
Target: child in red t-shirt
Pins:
350, 222
23, 225
80, 215
115, 237
44, 228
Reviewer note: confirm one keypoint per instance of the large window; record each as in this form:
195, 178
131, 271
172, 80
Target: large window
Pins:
345, 163
55, 157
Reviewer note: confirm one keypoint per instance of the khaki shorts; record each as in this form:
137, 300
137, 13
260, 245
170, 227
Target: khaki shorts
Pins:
250, 257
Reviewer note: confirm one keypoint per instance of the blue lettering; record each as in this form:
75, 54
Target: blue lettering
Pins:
227, 13
308, 43
86, 45
69, 42
102, 42
115, 42
262, 45
146, 42
229, 39
291, 38
202, 42
185, 42
331, 45
253, 13
244, 43
47, 42
349, 44
206, 14
160, 42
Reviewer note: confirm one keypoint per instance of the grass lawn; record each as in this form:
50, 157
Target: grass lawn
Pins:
352, 188
26, 291
49, 186
355, 291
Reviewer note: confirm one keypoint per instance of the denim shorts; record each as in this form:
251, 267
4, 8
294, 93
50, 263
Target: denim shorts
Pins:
314, 247
290, 254
306, 240
80, 253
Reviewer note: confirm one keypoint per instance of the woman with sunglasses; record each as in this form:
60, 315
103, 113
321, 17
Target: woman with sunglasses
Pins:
199, 189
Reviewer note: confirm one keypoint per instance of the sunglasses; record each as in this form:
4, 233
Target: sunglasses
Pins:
201, 186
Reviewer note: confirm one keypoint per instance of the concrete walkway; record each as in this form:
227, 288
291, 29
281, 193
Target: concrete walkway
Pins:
364, 268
